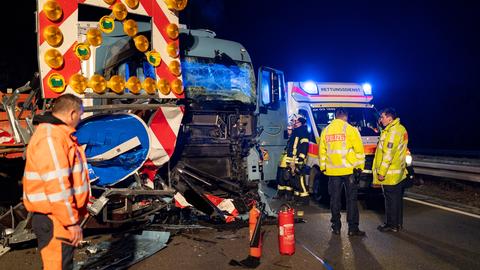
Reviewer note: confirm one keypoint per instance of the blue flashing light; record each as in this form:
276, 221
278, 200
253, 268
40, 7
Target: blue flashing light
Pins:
367, 89
309, 87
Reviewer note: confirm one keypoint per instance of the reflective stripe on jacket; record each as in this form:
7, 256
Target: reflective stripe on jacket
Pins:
283, 160
341, 149
390, 154
56, 175
297, 145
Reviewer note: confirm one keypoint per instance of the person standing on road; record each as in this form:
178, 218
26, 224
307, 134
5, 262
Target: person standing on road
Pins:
284, 187
342, 158
389, 168
297, 150
56, 184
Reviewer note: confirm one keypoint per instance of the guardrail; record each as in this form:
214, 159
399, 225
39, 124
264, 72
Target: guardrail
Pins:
462, 169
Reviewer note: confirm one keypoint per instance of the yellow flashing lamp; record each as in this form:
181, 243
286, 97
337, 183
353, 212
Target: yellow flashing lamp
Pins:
98, 84
133, 4
174, 68
177, 86
130, 27
119, 11
53, 36
106, 24
133, 84
117, 84
78, 83
82, 51
177, 5
109, 2
141, 42
163, 86
52, 10
56, 82
154, 58
172, 49
149, 85
53, 58
172, 31
94, 37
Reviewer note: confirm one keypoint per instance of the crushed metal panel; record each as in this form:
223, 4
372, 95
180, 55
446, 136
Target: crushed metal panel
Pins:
124, 251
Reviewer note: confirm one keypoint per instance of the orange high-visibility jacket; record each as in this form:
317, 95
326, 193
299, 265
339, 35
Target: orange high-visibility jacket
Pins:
56, 174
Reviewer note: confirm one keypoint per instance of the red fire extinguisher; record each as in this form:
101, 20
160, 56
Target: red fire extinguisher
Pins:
286, 230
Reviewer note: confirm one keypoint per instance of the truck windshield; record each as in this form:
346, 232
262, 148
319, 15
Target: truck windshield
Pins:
218, 79
364, 119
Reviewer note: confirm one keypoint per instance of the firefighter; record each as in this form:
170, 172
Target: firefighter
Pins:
284, 188
342, 158
389, 168
56, 184
297, 149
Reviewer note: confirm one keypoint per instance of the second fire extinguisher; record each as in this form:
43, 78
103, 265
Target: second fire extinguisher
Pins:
286, 230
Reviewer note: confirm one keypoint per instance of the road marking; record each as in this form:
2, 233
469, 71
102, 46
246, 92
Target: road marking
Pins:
327, 266
443, 207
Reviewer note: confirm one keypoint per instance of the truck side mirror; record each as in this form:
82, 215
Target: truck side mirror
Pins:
271, 86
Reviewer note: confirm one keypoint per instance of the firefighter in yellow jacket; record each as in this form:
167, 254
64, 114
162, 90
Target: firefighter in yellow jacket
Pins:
56, 184
389, 168
342, 156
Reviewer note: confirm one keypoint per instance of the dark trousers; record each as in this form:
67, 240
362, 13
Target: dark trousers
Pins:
284, 186
335, 185
394, 204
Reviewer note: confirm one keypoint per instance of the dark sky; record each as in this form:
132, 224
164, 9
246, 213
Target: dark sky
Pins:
421, 57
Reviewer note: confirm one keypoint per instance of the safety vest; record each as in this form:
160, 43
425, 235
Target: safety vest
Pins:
390, 155
341, 149
56, 180
297, 145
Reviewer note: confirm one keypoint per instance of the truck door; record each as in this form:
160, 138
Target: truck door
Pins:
272, 119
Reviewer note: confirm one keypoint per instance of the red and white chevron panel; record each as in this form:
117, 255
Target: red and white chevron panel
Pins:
165, 124
161, 18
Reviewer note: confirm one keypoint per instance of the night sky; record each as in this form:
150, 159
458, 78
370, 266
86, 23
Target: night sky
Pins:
421, 57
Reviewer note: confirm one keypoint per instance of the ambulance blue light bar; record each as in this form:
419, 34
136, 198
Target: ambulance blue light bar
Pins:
367, 89
309, 87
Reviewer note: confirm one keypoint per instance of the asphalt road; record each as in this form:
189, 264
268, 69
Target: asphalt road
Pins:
432, 239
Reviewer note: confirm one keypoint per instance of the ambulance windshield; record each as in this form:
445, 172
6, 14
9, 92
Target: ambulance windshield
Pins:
214, 79
364, 119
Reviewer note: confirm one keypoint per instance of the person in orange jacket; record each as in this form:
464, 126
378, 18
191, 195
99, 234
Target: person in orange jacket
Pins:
56, 184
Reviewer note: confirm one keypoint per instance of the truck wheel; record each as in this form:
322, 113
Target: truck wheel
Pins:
320, 185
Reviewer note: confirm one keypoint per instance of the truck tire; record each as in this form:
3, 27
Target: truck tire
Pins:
320, 185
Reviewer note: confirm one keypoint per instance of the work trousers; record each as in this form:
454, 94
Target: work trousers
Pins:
53, 242
394, 204
284, 187
299, 187
335, 185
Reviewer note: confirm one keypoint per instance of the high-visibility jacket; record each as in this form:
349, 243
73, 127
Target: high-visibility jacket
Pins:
390, 154
56, 180
297, 145
283, 160
341, 149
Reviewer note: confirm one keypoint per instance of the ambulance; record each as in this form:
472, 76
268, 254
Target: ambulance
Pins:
318, 102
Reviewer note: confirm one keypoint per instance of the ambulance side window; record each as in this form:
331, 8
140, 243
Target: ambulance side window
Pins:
311, 134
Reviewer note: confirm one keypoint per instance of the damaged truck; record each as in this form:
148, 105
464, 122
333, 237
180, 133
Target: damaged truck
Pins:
171, 113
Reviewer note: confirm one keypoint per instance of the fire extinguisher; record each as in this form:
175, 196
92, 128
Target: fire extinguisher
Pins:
286, 230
